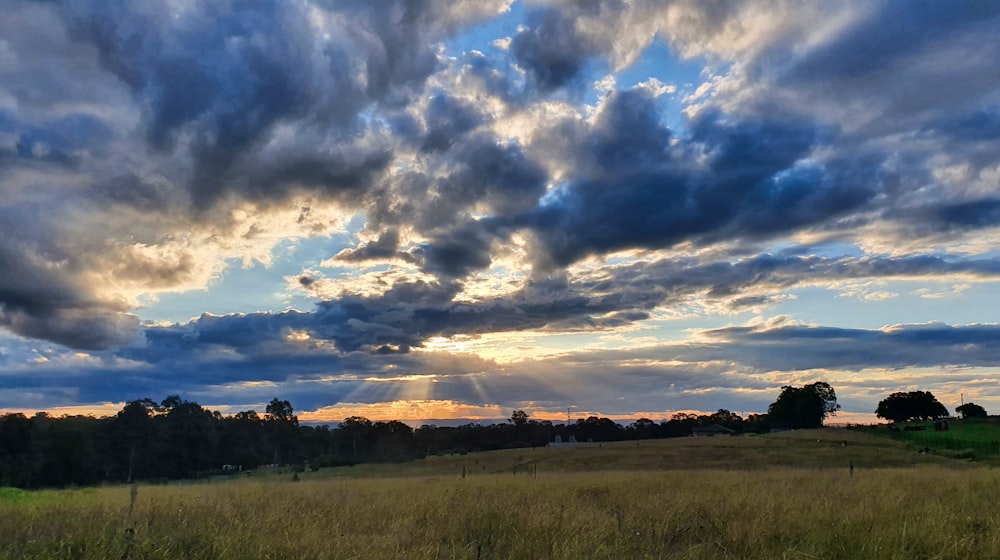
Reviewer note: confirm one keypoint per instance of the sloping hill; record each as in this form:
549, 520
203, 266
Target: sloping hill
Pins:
809, 449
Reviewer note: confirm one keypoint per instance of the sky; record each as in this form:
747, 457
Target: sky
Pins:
430, 210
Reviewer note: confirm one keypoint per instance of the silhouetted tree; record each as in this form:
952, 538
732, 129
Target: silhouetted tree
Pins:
393, 441
280, 411
971, 410
913, 405
356, 430
17, 444
519, 418
803, 407
595, 428
171, 402
727, 419
68, 454
242, 439
757, 423
643, 428
190, 436
281, 423
133, 431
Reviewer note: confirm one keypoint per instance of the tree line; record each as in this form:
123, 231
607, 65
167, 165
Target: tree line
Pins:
922, 405
179, 439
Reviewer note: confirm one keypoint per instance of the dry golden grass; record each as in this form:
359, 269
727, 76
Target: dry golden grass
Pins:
778, 511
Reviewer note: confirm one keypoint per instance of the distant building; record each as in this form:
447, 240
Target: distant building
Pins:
711, 430
572, 442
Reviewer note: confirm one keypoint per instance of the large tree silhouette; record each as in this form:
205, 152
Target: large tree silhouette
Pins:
912, 405
803, 407
971, 410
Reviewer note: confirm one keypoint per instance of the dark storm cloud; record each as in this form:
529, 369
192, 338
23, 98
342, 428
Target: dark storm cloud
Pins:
458, 252
345, 176
560, 41
798, 347
982, 125
876, 51
653, 283
224, 69
481, 175
549, 49
948, 217
351, 323
498, 176
39, 300
893, 31
889, 69
309, 376
312, 377
446, 119
141, 193
85, 327
385, 247
647, 191
222, 77
895, 67
655, 376
491, 177
411, 312
55, 144
202, 372
975, 214
253, 100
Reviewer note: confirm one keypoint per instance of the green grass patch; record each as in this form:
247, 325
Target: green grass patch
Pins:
977, 439
12, 494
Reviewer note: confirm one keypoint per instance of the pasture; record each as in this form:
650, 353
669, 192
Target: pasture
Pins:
977, 439
789, 495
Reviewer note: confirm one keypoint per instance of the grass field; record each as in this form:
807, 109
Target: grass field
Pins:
809, 449
977, 439
788, 495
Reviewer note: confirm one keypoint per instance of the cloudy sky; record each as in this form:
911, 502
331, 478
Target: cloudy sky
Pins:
457, 208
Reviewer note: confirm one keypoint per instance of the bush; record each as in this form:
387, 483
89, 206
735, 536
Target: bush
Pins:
967, 453
11, 494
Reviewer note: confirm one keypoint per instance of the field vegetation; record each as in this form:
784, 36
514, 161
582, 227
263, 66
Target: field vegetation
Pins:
971, 438
788, 495
803, 449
